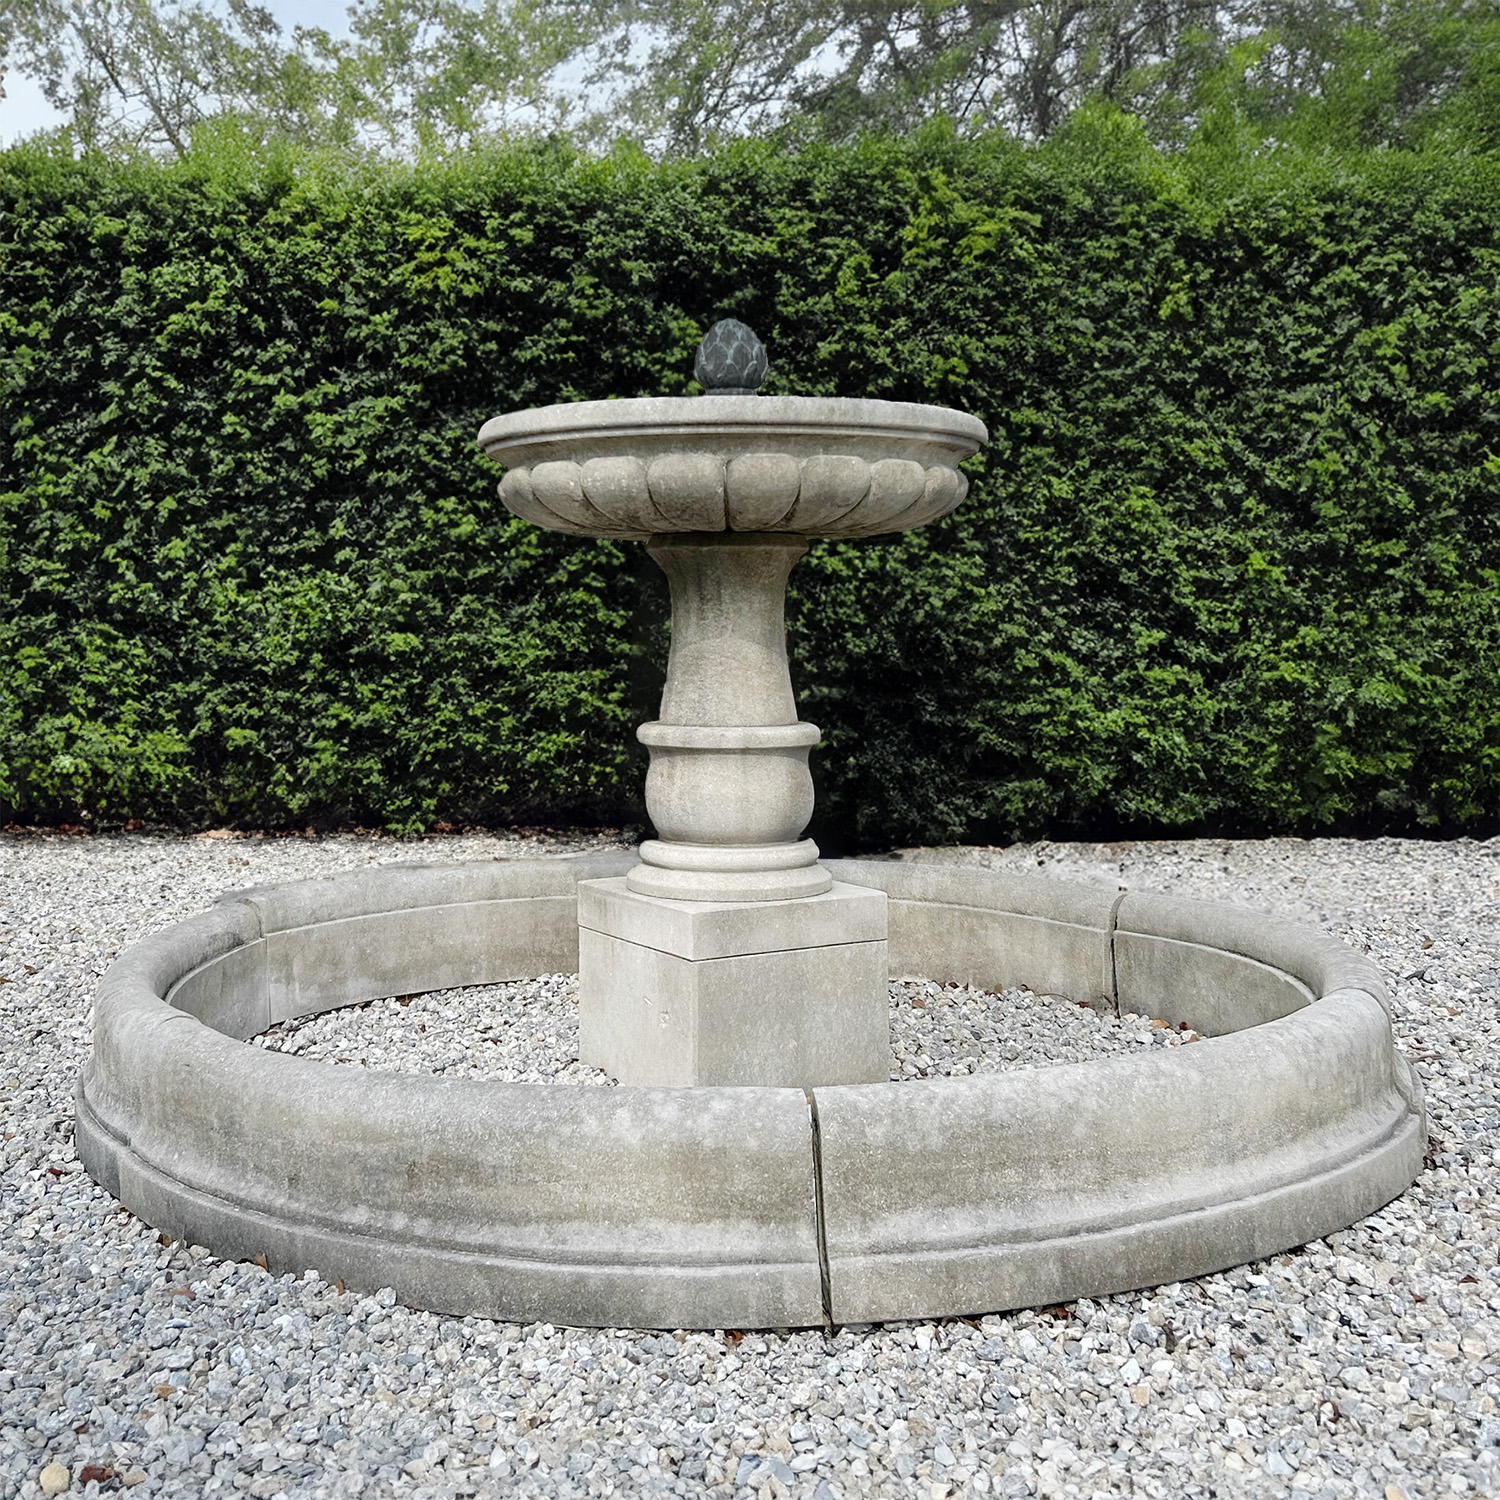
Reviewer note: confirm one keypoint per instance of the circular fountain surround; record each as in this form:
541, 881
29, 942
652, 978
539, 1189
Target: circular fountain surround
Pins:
744, 1207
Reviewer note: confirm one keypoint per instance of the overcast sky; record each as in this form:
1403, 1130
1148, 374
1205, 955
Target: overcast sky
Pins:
24, 110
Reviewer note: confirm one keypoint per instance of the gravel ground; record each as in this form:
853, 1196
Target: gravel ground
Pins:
523, 1032
528, 1032
1365, 1365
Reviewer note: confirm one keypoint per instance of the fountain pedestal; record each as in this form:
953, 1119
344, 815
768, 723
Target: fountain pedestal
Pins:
728, 955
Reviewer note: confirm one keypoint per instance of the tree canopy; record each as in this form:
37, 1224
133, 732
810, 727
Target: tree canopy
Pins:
675, 75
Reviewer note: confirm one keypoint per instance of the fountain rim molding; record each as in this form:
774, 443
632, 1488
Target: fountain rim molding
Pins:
733, 426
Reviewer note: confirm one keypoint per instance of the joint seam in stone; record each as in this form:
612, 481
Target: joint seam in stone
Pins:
1114, 972
825, 1279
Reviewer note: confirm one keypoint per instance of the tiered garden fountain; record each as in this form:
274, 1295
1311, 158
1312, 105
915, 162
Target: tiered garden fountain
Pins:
756, 1168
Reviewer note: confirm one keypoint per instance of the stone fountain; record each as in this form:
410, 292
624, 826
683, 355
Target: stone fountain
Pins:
728, 955
760, 1171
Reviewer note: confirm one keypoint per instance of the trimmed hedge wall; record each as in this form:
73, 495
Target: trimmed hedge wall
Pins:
1232, 561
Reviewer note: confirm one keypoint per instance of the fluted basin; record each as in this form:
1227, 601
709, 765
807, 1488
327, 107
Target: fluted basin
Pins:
805, 465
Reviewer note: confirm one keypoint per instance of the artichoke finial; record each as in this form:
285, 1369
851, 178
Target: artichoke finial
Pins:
731, 360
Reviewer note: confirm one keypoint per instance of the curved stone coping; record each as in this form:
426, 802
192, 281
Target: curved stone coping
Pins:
1211, 967
590, 1205
701, 1208
1036, 1185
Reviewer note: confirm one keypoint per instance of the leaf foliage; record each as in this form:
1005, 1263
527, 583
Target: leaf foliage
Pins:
1231, 561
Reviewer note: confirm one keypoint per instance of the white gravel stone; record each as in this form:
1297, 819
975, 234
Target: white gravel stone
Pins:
527, 1032
523, 1032
1364, 1365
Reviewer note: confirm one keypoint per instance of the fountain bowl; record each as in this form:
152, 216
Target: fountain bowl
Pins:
808, 465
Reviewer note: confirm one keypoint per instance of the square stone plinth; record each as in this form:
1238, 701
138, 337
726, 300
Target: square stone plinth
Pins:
781, 993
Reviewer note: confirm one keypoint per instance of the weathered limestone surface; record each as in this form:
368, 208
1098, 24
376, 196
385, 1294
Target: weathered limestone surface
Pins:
729, 788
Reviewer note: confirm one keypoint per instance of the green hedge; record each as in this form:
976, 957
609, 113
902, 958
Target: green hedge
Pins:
1231, 562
